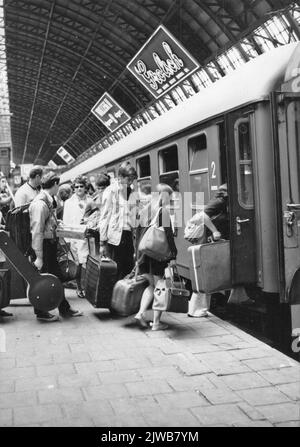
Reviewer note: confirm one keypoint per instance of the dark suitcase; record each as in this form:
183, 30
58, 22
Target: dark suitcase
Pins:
4, 287
127, 295
100, 278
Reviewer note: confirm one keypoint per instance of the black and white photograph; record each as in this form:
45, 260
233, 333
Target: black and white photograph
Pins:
149, 218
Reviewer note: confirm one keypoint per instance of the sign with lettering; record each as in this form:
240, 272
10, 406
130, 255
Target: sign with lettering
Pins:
110, 113
162, 63
68, 158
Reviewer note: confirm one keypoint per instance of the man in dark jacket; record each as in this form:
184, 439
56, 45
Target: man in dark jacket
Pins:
217, 210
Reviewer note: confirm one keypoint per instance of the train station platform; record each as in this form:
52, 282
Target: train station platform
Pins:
100, 371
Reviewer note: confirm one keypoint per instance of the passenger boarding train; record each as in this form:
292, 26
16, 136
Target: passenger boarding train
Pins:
243, 130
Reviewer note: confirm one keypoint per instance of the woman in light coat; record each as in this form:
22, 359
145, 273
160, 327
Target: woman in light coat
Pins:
117, 221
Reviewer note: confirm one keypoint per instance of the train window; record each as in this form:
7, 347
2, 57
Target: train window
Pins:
199, 184
168, 167
244, 162
145, 190
168, 160
198, 152
143, 167
198, 164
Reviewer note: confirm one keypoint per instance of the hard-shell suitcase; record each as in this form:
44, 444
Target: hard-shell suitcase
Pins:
210, 267
127, 295
100, 278
4, 287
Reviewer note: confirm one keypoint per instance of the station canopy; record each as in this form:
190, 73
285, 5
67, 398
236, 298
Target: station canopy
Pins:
63, 55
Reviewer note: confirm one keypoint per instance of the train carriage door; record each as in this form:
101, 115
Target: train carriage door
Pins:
287, 131
239, 130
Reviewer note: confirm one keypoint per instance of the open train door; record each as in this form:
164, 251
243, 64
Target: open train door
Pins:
286, 130
240, 132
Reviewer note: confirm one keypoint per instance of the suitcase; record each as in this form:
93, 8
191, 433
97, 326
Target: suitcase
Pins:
5, 278
127, 295
100, 278
210, 266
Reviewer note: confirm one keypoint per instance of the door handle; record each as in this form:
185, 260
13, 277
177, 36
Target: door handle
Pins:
239, 221
295, 206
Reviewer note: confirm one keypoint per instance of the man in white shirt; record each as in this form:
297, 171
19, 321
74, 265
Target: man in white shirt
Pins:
44, 241
27, 192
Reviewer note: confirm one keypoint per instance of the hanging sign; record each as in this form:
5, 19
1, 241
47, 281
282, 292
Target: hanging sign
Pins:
110, 113
65, 155
162, 63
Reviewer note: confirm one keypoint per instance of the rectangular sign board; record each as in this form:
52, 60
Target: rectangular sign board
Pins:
110, 113
162, 63
65, 155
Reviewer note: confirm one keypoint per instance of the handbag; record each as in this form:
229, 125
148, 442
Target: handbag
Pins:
68, 268
161, 295
179, 295
154, 242
193, 232
171, 295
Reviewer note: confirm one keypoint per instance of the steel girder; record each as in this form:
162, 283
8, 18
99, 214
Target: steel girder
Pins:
63, 55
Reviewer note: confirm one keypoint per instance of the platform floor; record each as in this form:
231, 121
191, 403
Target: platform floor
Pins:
101, 371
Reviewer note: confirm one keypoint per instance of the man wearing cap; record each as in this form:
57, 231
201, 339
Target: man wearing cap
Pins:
44, 242
27, 192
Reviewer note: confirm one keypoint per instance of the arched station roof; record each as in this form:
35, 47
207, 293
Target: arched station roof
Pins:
62, 55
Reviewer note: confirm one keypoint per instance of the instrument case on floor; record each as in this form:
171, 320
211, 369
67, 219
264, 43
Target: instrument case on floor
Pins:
5, 278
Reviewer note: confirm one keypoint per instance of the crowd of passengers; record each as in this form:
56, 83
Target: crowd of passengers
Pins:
116, 214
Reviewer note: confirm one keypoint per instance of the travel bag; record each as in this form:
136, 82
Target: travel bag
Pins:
5, 278
171, 295
210, 266
154, 242
101, 276
127, 294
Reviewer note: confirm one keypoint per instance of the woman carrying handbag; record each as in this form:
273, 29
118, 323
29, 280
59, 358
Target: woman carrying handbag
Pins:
155, 216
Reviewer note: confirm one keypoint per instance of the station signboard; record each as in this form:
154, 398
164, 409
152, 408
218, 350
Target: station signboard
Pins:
162, 63
65, 155
110, 113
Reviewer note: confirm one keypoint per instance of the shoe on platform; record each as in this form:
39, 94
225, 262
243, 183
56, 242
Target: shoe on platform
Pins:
71, 313
3, 313
49, 318
159, 327
199, 314
140, 321
80, 293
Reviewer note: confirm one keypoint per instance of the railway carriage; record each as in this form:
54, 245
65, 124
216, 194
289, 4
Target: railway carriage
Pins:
243, 130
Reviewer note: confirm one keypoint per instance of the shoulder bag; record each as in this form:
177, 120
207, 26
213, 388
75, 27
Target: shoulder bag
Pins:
154, 242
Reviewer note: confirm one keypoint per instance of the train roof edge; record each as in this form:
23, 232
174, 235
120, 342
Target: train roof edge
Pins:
250, 83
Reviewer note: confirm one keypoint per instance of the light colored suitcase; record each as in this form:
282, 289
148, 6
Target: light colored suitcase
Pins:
210, 266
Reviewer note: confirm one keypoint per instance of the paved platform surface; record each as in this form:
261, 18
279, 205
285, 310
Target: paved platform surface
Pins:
101, 371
